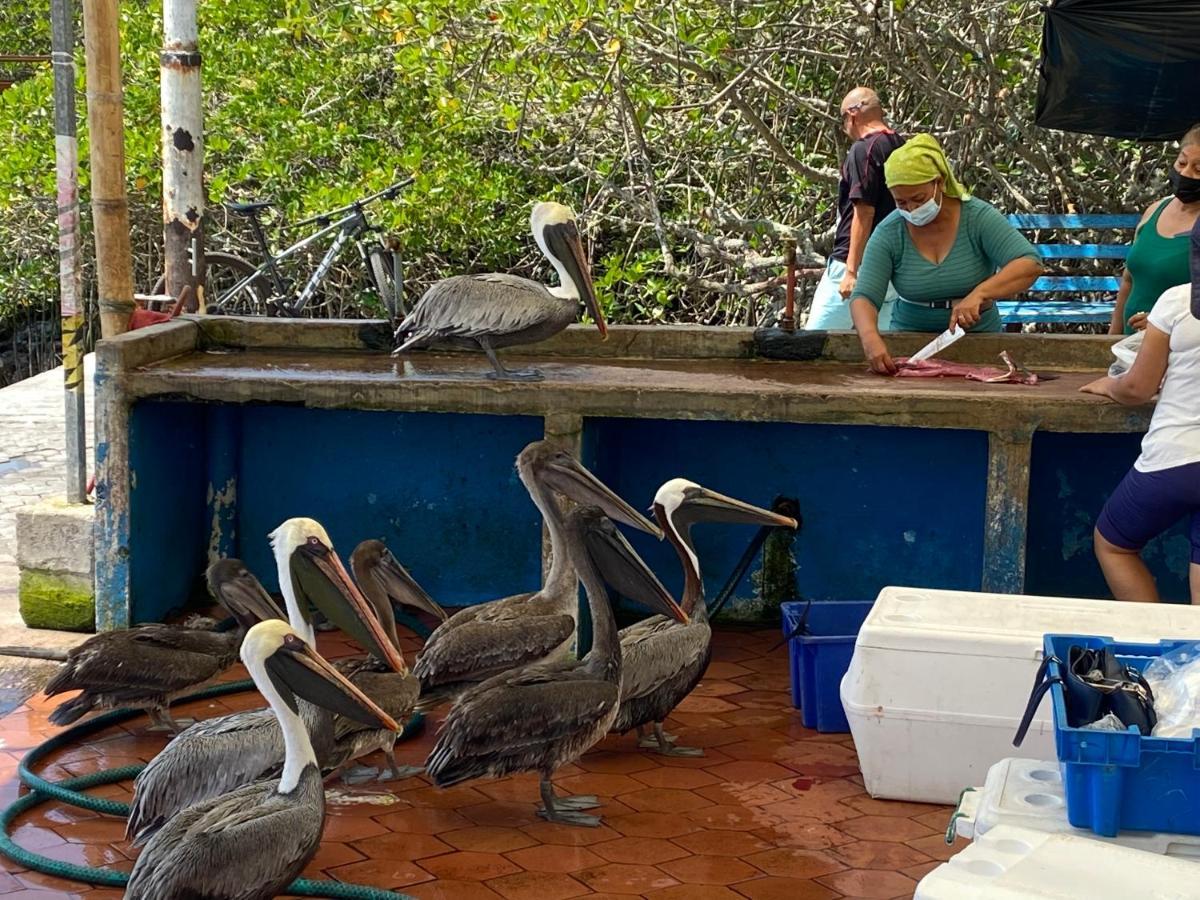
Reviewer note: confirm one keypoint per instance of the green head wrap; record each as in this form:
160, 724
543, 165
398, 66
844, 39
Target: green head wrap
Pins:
919, 160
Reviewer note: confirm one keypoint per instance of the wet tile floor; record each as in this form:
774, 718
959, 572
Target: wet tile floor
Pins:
773, 810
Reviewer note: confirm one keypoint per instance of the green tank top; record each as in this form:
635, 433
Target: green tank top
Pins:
1155, 263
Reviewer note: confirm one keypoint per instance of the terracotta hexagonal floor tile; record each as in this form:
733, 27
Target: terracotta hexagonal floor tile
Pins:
501, 814
622, 878
676, 779
445, 889
401, 846
879, 855
717, 688
348, 829
775, 888
384, 873
869, 883
36, 837
330, 856
92, 831
938, 819
648, 824
94, 855
537, 886
643, 850
445, 798
517, 787
609, 762
467, 865
664, 800
569, 835
804, 834
601, 784
868, 806
694, 892
750, 771
709, 870
743, 794
730, 818
790, 863
722, 843
935, 846
488, 839
423, 821
549, 858
694, 703
916, 873
884, 828
37, 881
724, 670
815, 807
8, 883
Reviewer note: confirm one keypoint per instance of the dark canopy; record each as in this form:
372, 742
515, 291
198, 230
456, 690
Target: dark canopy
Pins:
1120, 68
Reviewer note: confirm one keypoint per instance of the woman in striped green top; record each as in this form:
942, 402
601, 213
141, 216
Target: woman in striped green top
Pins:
949, 255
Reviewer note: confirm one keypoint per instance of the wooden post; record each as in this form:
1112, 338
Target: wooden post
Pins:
788, 322
66, 163
182, 152
1006, 515
110, 208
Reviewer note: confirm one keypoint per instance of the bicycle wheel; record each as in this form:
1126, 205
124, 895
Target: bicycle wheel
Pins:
223, 272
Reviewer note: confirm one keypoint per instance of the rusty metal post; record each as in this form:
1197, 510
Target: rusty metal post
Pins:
788, 322
110, 207
182, 152
66, 163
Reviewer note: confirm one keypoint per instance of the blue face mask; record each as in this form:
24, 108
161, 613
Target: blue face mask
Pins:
923, 214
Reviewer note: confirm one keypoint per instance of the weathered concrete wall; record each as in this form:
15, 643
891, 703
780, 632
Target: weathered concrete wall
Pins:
55, 553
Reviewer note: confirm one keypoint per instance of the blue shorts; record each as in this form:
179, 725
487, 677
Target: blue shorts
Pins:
1145, 504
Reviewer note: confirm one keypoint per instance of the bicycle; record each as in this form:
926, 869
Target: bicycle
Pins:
236, 286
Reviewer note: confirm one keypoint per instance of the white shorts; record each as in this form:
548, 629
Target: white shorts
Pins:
829, 312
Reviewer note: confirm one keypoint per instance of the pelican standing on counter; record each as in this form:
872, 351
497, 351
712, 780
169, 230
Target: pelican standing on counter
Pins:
251, 843
664, 659
381, 578
217, 755
543, 716
495, 310
493, 637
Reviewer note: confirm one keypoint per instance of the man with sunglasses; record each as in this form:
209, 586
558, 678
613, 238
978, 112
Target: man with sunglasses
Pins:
863, 201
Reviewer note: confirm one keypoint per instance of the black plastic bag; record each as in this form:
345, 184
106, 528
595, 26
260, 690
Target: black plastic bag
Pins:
1120, 68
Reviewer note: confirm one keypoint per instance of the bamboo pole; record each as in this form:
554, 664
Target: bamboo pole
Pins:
182, 152
110, 208
66, 153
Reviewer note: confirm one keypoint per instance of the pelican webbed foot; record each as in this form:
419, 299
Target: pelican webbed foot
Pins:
397, 772
567, 810
503, 374
663, 744
161, 721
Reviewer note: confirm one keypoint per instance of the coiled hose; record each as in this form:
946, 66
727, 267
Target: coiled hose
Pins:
71, 792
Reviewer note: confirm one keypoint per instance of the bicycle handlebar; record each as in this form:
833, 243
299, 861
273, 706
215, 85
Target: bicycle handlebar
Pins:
388, 193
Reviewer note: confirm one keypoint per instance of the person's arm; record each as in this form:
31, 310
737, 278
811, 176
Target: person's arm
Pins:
860, 232
874, 274
1117, 325
1015, 260
1142, 381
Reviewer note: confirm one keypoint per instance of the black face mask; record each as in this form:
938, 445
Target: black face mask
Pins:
1187, 190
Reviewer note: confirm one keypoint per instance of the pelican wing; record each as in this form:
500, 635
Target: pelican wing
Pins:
394, 693
469, 306
483, 647
657, 650
148, 659
248, 843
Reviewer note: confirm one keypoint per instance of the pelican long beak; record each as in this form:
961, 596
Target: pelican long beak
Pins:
403, 588
623, 570
335, 594
709, 506
563, 240
296, 668
571, 479
246, 599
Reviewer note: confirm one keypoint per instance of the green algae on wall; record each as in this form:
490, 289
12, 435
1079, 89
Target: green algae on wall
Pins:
61, 602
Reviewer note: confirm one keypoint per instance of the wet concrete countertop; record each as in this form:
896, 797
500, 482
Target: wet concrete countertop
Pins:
729, 389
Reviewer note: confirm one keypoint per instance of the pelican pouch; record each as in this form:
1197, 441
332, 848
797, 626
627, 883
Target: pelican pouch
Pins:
1095, 683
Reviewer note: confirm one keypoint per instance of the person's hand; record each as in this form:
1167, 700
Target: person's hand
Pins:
877, 355
1101, 387
966, 312
847, 286
1138, 321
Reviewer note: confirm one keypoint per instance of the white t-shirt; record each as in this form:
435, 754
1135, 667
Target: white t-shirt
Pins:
1173, 438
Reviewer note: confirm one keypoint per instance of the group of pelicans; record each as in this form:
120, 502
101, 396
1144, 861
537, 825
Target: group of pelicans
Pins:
520, 700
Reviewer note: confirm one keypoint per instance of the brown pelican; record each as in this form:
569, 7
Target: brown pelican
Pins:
148, 665
662, 658
250, 843
217, 755
486, 639
494, 311
538, 718
382, 579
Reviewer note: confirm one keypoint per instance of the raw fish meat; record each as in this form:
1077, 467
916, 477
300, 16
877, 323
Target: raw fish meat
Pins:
1014, 373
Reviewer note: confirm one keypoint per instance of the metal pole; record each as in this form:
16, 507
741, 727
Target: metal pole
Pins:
110, 208
182, 151
66, 153
788, 323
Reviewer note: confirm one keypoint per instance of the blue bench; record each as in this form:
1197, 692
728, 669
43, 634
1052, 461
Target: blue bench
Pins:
1044, 302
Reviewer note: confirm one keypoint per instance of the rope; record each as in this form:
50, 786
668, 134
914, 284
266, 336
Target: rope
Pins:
71, 793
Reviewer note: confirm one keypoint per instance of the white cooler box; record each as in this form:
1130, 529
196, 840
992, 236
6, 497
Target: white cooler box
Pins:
939, 680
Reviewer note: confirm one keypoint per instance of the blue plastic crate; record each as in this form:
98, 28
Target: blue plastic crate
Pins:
1119, 779
820, 657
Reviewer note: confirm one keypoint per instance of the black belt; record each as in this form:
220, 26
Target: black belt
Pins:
930, 304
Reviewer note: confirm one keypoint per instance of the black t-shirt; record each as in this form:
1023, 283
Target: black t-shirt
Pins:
862, 180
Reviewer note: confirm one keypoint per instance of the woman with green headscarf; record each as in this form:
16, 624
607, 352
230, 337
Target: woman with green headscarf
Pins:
949, 255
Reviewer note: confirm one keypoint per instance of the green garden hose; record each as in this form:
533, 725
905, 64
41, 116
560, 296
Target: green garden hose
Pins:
71, 793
